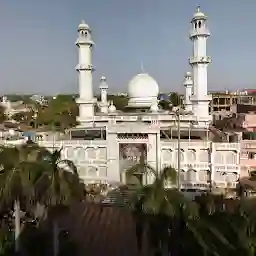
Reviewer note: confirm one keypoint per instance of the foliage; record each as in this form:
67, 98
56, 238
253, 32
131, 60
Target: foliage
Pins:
175, 99
19, 174
31, 175
2, 114
164, 104
120, 102
60, 181
60, 113
6, 241
210, 225
24, 117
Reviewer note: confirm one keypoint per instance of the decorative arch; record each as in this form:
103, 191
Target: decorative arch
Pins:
91, 153
191, 155
204, 155
191, 175
231, 157
218, 157
80, 154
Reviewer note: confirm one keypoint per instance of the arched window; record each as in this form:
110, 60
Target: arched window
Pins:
167, 155
191, 175
83, 33
195, 25
182, 175
218, 158
203, 175
231, 158
231, 177
199, 24
191, 155
90, 153
182, 155
204, 155
175, 155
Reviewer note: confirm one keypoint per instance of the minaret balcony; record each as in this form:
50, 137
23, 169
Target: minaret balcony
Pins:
81, 41
199, 32
81, 67
200, 60
202, 98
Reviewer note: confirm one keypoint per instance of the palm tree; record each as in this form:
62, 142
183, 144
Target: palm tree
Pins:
156, 203
60, 186
169, 216
19, 174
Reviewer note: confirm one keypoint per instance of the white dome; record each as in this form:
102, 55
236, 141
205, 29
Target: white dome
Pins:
199, 14
143, 86
188, 74
83, 25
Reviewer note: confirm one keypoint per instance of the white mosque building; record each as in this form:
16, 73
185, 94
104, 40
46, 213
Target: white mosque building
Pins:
108, 141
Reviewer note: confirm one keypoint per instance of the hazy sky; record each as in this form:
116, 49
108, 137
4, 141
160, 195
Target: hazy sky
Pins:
38, 54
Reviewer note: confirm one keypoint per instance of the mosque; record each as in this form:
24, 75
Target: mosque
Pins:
107, 141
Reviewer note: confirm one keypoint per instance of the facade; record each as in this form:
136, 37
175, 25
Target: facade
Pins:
108, 141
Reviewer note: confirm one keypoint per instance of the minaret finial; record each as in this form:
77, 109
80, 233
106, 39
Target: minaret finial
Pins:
142, 67
198, 8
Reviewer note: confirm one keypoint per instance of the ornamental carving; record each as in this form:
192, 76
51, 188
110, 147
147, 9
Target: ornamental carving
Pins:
134, 136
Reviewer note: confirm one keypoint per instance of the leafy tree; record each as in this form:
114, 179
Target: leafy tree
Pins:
61, 113
61, 186
164, 104
175, 99
24, 117
18, 178
169, 215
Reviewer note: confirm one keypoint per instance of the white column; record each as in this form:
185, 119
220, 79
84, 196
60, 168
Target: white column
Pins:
113, 171
199, 63
103, 95
152, 154
84, 68
188, 84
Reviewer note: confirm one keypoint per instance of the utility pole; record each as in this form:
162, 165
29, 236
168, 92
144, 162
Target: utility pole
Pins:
178, 176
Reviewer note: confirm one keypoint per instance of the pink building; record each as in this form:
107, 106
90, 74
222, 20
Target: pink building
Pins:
248, 145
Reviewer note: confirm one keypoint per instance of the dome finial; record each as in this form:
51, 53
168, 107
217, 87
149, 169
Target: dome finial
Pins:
142, 67
198, 8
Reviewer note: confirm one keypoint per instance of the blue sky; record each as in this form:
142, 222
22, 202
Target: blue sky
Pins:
38, 54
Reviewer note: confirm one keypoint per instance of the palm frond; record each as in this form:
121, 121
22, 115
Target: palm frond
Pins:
141, 168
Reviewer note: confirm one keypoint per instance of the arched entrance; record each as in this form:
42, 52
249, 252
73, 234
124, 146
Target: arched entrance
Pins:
131, 154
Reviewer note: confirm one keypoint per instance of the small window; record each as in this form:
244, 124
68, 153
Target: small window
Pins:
195, 25
251, 155
84, 33
199, 24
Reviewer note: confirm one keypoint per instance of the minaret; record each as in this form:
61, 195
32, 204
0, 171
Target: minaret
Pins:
188, 84
103, 95
86, 100
199, 63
